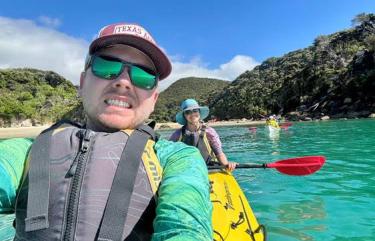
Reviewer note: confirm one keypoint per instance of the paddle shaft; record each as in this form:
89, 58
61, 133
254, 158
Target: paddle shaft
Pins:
248, 165
265, 165
298, 166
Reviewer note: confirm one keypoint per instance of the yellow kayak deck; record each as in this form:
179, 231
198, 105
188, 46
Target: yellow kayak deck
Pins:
232, 217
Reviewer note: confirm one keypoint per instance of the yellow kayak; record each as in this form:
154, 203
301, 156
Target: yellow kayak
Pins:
232, 217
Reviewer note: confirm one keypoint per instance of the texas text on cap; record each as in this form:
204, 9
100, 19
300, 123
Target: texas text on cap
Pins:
136, 36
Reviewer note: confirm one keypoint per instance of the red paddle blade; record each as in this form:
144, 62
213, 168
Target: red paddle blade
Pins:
299, 166
285, 125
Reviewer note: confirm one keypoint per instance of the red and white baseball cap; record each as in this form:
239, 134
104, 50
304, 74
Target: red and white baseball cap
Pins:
136, 36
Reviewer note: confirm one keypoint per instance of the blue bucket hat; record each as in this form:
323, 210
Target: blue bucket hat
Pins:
191, 104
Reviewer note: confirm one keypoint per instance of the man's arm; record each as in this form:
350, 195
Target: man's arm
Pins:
13, 153
183, 208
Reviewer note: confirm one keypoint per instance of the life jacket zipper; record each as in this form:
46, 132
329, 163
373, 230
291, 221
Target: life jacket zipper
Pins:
76, 171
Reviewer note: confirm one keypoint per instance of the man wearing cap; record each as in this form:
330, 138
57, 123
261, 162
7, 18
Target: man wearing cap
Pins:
194, 132
111, 179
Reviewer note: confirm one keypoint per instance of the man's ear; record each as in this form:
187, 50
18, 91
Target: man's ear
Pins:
81, 82
82, 79
156, 96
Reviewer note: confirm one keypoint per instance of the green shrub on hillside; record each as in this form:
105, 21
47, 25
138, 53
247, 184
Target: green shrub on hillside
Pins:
336, 67
42, 96
197, 88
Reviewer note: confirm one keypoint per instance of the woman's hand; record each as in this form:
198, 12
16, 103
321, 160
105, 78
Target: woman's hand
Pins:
231, 166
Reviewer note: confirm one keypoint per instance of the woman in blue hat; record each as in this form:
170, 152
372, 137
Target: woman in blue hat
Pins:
196, 133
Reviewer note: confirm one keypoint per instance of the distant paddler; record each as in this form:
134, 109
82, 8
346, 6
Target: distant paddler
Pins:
272, 122
195, 132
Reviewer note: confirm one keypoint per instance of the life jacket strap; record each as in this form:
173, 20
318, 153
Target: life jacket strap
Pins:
39, 180
116, 210
203, 145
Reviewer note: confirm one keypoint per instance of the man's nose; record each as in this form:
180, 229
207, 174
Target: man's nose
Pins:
123, 80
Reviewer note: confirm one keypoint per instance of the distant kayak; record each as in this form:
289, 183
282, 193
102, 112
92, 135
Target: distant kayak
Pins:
285, 125
232, 217
252, 129
272, 129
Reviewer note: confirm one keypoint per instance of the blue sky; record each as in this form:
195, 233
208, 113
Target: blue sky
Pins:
206, 38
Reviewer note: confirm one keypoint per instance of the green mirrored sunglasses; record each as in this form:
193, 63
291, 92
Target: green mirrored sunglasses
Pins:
110, 68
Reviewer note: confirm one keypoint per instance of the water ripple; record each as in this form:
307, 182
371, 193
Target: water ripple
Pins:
334, 204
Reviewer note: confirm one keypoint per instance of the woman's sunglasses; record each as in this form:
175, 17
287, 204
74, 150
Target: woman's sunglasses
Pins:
188, 112
110, 68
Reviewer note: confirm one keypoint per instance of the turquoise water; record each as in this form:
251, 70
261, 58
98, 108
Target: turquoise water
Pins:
336, 203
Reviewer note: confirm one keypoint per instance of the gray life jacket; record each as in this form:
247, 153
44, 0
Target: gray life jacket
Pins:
84, 185
200, 141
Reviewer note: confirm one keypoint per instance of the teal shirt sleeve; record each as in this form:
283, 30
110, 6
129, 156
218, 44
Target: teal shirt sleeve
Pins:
183, 208
13, 153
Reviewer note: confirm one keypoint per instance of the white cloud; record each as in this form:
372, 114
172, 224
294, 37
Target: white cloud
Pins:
23, 43
197, 68
49, 22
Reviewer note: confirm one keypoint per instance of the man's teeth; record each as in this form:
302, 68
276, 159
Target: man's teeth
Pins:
117, 103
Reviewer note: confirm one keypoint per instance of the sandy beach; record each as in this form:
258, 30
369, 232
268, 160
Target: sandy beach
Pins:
35, 130
173, 125
14, 132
